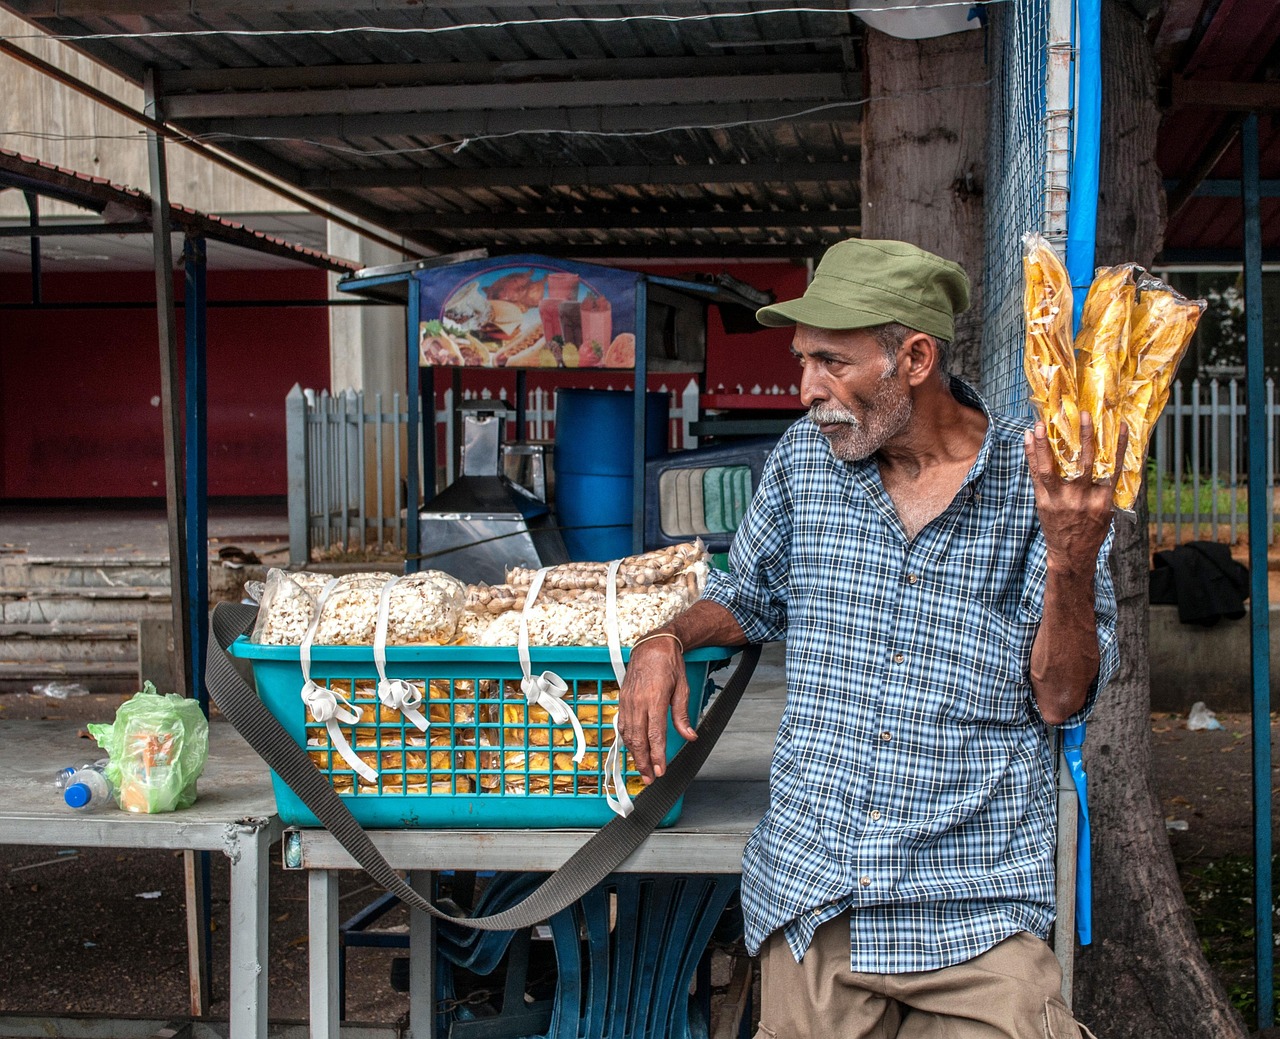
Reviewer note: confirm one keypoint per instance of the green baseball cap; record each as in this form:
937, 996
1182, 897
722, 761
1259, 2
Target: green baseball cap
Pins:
864, 282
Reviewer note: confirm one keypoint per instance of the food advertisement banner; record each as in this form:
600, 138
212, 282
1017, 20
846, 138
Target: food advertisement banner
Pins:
527, 312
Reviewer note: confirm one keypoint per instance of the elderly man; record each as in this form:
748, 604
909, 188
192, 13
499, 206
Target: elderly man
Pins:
945, 598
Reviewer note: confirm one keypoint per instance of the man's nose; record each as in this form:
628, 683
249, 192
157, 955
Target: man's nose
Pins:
813, 388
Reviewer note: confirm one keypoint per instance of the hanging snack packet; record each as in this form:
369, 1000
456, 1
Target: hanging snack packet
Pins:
1162, 324
1049, 360
1102, 354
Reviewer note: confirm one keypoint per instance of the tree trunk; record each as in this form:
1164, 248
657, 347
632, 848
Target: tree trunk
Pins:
924, 141
1144, 976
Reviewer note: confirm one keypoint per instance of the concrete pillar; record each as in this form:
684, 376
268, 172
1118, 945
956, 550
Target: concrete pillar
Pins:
366, 344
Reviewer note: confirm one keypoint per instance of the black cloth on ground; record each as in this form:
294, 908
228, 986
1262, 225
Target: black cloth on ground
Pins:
1202, 580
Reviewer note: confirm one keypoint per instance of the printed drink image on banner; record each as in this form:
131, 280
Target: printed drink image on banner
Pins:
527, 312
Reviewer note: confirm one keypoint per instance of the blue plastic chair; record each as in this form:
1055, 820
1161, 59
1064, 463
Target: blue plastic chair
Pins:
626, 954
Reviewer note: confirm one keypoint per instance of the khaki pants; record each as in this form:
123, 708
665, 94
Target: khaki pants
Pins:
1012, 991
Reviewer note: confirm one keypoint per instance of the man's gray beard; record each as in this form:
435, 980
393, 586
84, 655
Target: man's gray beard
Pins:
858, 440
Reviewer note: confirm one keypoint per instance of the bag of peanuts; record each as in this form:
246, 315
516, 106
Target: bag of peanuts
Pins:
569, 609
422, 608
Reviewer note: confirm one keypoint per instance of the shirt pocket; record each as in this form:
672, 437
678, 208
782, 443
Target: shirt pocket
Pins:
996, 688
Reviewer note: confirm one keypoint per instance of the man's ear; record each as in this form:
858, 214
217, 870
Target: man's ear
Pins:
918, 357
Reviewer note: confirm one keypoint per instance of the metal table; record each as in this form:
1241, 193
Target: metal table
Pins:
721, 808
235, 814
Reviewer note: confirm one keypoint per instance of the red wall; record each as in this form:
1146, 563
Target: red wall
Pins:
79, 389
750, 358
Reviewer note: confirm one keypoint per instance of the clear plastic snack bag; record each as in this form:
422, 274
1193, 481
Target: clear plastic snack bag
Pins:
1102, 358
423, 608
1048, 360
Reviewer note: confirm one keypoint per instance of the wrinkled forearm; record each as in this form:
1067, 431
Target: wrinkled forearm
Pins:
706, 624
1064, 657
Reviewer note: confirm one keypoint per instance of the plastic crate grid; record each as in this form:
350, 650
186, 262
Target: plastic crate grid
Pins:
482, 738
487, 759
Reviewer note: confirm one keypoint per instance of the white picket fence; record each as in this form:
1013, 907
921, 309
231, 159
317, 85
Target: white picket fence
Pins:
347, 455
1197, 470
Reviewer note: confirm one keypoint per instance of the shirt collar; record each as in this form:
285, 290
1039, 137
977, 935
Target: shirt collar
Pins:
967, 395
970, 397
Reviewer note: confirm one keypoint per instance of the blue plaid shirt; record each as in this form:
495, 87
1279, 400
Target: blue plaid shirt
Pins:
912, 779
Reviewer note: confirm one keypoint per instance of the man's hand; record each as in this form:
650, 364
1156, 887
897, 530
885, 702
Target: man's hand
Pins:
1075, 515
655, 681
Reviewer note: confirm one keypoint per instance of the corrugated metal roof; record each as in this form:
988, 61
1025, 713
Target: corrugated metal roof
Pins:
125, 205
683, 128
640, 130
1219, 61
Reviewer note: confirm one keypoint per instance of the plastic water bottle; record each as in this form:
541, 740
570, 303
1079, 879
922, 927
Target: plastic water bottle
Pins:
63, 776
88, 790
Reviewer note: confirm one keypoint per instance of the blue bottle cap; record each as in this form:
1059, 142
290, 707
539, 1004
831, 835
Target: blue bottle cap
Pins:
77, 795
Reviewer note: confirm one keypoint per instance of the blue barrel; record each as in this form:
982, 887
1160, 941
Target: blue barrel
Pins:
593, 467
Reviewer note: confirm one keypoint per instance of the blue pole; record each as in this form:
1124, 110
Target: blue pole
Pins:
1082, 237
194, 257
195, 344
1259, 607
640, 401
1082, 222
413, 382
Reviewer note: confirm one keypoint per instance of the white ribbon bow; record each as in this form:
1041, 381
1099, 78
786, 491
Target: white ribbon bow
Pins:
547, 689
398, 694
323, 704
615, 783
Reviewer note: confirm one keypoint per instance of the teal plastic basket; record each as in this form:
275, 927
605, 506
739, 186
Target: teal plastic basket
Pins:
488, 759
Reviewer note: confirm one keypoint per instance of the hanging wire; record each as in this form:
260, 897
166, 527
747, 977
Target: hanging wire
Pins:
429, 30
458, 145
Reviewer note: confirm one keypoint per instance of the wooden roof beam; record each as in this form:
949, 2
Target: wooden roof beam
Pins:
1232, 96
583, 176
320, 77
475, 124
849, 220
477, 97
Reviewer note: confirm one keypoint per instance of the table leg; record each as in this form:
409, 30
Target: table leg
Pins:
422, 963
322, 922
248, 848
196, 881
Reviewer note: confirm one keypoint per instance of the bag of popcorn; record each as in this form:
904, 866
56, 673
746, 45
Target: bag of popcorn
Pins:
423, 608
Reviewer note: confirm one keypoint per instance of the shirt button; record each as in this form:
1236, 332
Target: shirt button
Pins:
875, 813
898, 658
912, 578
865, 881
886, 735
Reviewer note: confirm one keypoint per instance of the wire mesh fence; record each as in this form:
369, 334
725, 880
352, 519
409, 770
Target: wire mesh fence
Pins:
1028, 167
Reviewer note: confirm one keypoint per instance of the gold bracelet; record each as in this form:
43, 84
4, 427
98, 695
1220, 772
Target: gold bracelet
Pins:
657, 635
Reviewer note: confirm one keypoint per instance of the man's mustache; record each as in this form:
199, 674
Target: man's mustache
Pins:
826, 416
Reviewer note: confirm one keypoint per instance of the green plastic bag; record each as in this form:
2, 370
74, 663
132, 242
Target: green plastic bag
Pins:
158, 746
